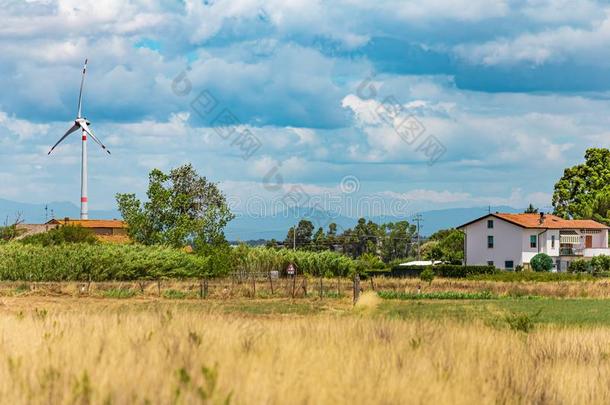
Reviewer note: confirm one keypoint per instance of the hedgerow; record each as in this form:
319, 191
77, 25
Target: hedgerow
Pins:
443, 270
99, 262
105, 262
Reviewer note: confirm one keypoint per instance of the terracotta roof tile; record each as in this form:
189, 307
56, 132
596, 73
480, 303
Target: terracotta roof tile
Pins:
550, 222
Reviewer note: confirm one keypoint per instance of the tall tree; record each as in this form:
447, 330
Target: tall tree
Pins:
302, 239
584, 190
319, 240
531, 210
182, 208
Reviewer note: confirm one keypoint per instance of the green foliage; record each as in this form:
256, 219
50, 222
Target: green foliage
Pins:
427, 275
8, 232
521, 322
60, 235
510, 277
531, 210
99, 262
600, 264
441, 295
174, 294
182, 207
119, 293
372, 262
583, 191
541, 263
446, 245
580, 266
444, 270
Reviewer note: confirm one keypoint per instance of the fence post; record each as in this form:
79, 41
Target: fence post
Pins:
271, 282
356, 287
321, 287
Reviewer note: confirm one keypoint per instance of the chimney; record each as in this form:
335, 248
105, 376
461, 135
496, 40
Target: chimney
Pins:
541, 217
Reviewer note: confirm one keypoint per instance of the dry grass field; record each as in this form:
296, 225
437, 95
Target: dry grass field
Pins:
334, 288
65, 350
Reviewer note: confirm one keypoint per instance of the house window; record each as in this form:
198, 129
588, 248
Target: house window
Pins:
552, 241
490, 224
533, 241
490, 242
490, 262
509, 264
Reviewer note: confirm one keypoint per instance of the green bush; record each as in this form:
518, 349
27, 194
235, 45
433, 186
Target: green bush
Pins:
427, 275
600, 264
510, 277
580, 266
60, 235
443, 270
541, 263
522, 322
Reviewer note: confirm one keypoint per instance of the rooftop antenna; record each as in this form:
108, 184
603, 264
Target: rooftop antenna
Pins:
83, 124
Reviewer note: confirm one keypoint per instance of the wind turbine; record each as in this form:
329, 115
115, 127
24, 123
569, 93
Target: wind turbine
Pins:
83, 124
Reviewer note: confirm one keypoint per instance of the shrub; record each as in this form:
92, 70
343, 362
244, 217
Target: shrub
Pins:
600, 264
522, 322
443, 270
541, 262
61, 235
427, 275
580, 266
509, 276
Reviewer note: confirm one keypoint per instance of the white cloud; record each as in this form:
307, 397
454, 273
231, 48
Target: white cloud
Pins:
549, 45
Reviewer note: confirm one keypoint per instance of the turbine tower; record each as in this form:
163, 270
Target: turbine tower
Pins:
83, 124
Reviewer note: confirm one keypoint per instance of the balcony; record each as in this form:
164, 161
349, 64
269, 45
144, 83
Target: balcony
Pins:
564, 251
585, 252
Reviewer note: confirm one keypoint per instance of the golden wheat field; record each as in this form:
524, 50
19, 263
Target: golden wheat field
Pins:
95, 351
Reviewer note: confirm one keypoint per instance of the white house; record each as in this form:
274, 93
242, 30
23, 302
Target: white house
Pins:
509, 240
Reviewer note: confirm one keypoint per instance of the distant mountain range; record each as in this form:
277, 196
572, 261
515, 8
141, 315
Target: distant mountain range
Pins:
246, 228
36, 214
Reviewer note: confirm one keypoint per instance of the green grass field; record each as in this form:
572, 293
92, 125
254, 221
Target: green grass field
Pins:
544, 310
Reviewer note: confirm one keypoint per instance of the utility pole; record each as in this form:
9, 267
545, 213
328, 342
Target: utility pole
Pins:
418, 219
294, 238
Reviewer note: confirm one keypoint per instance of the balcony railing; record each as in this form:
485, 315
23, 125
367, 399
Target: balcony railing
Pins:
571, 251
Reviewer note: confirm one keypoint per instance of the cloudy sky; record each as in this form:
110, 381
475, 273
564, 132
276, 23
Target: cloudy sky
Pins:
436, 103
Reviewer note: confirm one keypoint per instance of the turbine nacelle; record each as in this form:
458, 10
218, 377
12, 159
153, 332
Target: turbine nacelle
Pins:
81, 122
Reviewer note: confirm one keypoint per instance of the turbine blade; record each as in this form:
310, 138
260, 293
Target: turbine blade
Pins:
90, 132
80, 94
74, 128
